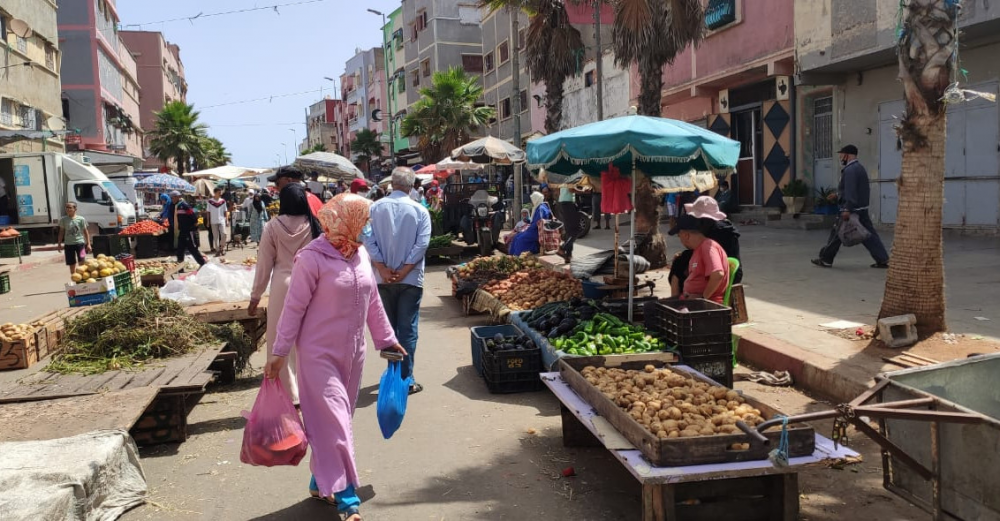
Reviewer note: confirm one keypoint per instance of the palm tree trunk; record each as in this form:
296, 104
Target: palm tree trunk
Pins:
553, 104
647, 222
915, 281
651, 81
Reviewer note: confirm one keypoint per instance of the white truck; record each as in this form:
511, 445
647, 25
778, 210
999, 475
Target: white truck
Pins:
125, 182
40, 184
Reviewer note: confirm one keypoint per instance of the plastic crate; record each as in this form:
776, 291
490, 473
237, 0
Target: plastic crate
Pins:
481, 334
124, 283
110, 245
4, 283
704, 329
25, 244
127, 260
146, 246
716, 367
10, 248
512, 361
506, 383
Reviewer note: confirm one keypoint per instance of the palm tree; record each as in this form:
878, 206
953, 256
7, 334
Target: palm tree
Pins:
212, 154
318, 147
446, 114
553, 44
366, 144
915, 281
650, 34
177, 135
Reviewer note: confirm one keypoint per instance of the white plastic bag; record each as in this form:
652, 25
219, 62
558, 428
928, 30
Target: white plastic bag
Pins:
212, 283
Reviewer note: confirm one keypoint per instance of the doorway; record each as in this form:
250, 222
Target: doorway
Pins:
825, 173
748, 130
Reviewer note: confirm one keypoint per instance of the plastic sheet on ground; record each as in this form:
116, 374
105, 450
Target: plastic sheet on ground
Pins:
90, 477
212, 283
601, 262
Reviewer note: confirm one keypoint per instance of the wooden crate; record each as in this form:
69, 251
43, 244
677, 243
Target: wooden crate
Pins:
757, 498
679, 451
19, 354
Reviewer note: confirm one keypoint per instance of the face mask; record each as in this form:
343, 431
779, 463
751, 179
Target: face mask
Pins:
843, 162
366, 232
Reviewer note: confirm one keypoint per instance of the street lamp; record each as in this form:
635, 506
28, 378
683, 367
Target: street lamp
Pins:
385, 58
295, 138
334, 81
284, 149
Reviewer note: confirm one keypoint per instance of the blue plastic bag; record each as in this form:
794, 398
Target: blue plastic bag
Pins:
393, 391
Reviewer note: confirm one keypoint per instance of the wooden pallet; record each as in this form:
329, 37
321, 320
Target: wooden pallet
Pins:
179, 383
225, 312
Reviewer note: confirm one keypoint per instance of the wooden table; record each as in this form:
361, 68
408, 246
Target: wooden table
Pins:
748, 490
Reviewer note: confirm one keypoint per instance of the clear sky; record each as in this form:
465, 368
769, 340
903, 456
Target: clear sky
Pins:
258, 54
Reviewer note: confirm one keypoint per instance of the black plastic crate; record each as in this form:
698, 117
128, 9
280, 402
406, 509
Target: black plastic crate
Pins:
512, 361
110, 245
619, 307
146, 247
506, 383
702, 329
481, 334
716, 367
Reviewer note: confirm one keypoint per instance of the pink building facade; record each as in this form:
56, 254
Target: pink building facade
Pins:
737, 82
160, 72
100, 89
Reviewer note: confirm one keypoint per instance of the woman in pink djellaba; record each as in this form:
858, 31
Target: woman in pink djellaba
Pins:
332, 296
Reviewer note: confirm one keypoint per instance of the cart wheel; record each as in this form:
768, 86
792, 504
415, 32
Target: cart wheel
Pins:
584, 225
485, 242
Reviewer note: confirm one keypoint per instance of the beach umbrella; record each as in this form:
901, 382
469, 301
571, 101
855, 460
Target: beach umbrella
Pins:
164, 183
489, 150
227, 172
675, 155
330, 165
204, 188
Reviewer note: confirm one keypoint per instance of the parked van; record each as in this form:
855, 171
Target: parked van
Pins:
40, 184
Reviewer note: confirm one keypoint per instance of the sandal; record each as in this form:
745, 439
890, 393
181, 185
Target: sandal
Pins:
314, 492
416, 388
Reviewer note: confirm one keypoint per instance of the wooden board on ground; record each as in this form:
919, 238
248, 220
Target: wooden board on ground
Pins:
225, 312
51, 419
188, 373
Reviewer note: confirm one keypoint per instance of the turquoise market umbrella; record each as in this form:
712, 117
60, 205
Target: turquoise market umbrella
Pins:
675, 155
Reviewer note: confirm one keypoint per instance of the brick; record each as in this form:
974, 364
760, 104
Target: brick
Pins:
899, 331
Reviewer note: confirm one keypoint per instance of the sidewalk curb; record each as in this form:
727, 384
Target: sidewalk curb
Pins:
810, 371
33, 264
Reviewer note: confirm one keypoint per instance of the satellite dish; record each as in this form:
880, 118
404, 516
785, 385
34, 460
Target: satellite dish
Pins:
20, 28
55, 123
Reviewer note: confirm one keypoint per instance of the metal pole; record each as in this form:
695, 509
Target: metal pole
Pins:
599, 60
515, 101
385, 79
631, 245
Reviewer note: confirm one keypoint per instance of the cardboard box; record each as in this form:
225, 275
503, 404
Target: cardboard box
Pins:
103, 285
91, 300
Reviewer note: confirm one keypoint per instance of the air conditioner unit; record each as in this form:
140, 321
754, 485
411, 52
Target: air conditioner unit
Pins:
724, 101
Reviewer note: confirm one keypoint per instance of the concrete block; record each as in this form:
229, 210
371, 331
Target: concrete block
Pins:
898, 331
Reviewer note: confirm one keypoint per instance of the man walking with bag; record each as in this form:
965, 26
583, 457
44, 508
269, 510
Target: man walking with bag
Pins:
399, 236
854, 194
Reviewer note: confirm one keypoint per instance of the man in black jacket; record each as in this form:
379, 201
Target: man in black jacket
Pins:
854, 197
184, 226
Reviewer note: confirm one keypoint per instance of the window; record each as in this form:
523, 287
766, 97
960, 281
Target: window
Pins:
7, 109
402, 85
589, 78
3, 29
720, 13
504, 51
488, 62
524, 101
413, 32
29, 118
425, 67
88, 193
50, 56
472, 63
823, 128
22, 44
398, 37
505, 108
522, 38
65, 109
421, 21
415, 78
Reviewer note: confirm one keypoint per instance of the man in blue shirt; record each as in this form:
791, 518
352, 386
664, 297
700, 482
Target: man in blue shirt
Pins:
401, 232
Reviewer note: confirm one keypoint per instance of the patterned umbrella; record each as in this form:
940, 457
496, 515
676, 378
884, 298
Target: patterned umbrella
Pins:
164, 183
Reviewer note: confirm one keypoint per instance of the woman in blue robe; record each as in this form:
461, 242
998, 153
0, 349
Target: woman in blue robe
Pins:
527, 240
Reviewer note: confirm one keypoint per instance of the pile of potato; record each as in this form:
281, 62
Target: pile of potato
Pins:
13, 332
531, 288
670, 405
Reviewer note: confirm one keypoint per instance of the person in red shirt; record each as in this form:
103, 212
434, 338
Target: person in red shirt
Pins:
708, 270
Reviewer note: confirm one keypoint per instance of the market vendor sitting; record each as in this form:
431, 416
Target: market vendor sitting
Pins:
527, 240
708, 269
521, 225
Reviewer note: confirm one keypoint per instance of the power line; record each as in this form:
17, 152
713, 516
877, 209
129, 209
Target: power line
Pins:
238, 11
267, 98
255, 124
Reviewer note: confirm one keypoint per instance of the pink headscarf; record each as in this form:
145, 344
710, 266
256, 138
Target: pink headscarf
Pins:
343, 218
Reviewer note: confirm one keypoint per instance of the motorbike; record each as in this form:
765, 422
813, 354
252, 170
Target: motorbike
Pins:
485, 221
584, 212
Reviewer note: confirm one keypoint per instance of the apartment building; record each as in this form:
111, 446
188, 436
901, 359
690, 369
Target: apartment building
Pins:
100, 89
362, 87
496, 67
160, 75
395, 57
437, 35
321, 125
848, 93
30, 104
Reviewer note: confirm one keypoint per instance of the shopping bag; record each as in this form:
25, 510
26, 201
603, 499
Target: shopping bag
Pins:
549, 235
393, 391
274, 434
851, 232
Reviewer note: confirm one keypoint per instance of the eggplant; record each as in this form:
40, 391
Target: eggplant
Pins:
498, 338
554, 333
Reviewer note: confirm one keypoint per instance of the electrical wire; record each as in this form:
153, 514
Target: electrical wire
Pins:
255, 124
267, 98
237, 11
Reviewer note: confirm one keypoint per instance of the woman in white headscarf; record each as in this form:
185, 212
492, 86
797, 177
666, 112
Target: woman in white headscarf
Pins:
527, 240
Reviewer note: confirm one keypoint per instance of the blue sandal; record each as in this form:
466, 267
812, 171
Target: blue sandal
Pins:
351, 513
